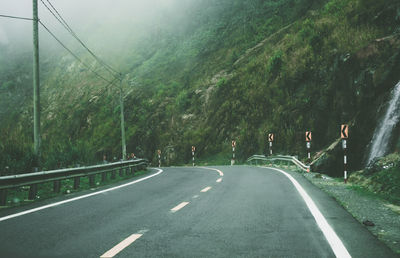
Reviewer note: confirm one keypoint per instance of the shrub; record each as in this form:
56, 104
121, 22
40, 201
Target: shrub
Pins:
275, 63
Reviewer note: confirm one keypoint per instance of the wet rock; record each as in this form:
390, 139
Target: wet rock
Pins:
368, 223
318, 176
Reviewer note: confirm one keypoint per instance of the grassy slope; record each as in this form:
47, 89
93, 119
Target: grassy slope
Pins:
381, 178
237, 70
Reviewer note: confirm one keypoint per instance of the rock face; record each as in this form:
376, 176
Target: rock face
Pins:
383, 132
374, 73
368, 223
370, 74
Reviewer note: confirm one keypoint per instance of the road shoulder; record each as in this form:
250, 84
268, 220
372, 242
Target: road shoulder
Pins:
363, 207
356, 237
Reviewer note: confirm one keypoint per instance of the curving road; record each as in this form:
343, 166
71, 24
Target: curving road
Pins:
237, 211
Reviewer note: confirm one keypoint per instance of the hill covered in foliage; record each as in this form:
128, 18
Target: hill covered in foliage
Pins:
220, 70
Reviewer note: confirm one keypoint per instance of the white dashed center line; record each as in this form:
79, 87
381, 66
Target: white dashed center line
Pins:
206, 189
219, 180
179, 206
219, 171
121, 246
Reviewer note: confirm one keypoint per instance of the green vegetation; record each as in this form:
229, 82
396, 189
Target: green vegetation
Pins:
382, 178
233, 70
19, 196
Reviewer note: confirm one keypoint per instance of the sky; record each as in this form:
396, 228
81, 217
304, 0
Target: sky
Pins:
101, 24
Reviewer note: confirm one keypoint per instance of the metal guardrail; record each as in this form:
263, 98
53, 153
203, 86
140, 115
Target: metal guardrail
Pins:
292, 159
33, 179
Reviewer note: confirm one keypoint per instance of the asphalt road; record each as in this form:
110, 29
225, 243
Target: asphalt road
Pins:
189, 212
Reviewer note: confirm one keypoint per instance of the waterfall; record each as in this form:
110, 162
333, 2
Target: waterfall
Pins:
384, 129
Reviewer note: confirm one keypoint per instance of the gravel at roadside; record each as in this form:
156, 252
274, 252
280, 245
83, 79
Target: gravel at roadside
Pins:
364, 206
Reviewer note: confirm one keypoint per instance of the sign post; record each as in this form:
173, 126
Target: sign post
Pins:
308, 145
233, 152
159, 158
193, 150
270, 140
344, 134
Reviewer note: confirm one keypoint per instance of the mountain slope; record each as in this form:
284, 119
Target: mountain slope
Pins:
220, 71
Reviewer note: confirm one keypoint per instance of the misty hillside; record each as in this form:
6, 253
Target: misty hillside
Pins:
203, 73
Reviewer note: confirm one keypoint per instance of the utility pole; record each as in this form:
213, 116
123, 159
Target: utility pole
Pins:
121, 103
36, 85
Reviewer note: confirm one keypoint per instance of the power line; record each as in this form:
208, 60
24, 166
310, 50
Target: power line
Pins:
105, 89
62, 21
116, 74
76, 57
111, 83
16, 17
69, 29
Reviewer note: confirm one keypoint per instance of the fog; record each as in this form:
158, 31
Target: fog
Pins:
104, 25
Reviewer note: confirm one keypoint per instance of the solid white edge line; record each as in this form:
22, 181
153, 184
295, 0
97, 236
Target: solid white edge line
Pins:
219, 171
334, 241
206, 189
121, 246
179, 206
78, 198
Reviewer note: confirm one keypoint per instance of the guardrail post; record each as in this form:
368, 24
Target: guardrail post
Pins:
121, 172
91, 180
57, 186
77, 181
103, 176
3, 197
32, 192
113, 174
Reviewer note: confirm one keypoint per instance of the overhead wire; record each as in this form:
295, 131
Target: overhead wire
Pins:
62, 21
104, 90
68, 28
72, 53
116, 74
16, 17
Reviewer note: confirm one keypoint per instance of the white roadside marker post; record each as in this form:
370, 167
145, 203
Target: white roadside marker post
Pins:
193, 150
233, 152
308, 145
344, 145
344, 131
270, 140
159, 158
